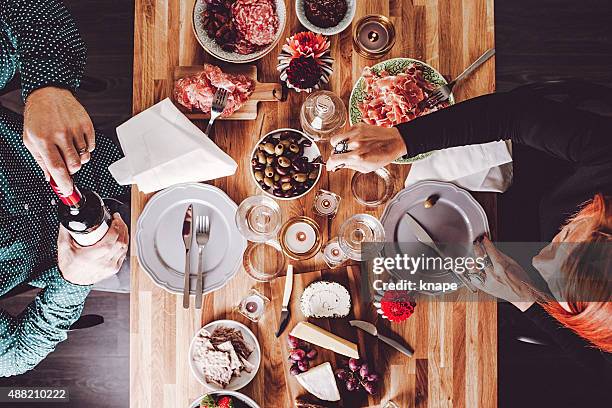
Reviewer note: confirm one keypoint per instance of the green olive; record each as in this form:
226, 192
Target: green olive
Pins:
269, 159
279, 149
269, 148
269, 171
261, 157
277, 177
259, 176
286, 179
286, 186
300, 177
268, 182
294, 148
284, 161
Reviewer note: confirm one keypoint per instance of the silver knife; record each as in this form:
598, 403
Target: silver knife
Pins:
187, 239
285, 313
371, 329
424, 238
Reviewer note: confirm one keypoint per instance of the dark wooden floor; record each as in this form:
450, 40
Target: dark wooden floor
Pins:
535, 40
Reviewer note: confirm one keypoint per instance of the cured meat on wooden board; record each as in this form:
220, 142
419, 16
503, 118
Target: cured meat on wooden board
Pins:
263, 92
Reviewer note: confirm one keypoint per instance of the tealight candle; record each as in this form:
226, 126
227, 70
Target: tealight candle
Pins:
326, 203
300, 237
253, 305
333, 254
374, 36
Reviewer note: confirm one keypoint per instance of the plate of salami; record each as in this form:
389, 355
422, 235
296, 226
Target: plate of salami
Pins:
239, 31
390, 93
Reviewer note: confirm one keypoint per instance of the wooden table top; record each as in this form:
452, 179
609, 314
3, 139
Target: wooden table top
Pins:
455, 343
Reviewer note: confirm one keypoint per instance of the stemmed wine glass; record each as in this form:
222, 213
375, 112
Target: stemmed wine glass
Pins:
361, 237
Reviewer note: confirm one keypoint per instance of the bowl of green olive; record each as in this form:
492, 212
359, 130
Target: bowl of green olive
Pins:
285, 164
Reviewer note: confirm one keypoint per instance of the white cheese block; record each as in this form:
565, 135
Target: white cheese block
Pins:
322, 338
320, 382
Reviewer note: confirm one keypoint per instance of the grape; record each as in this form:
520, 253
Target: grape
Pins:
294, 370
370, 387
312, 354
303, 365
297, 354
293, 341
364, 371
343, 374
352, 384
373, 377
354, 364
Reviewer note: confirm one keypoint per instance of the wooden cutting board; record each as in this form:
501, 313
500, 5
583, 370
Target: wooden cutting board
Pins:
377, 354
264, 92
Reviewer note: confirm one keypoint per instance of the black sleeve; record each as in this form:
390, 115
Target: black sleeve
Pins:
574, 135
576, 348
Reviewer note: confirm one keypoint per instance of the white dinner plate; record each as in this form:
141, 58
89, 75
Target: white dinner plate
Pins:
161, 250
454, 222
237, 382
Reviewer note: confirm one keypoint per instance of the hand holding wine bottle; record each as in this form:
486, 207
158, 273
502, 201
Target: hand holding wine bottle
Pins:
86, 265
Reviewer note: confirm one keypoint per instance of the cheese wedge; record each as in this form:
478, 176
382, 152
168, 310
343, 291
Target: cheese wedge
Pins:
322, 338
320, 382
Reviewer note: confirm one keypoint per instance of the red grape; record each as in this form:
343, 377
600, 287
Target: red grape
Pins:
370, 387
303, 365
352, 384
293, 341
312, 354
354, 364
364, 371
342, 374
294, 370
297, 354
373, 377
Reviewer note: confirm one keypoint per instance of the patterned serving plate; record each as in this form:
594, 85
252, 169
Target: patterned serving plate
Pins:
393, 66
214, 49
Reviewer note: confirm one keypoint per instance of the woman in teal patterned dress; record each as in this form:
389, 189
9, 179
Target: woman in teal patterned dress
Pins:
39, 40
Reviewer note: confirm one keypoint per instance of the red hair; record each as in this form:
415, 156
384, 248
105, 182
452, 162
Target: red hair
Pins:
591, 320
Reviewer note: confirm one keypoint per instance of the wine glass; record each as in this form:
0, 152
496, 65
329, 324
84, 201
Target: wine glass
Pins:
361, 237
258, 218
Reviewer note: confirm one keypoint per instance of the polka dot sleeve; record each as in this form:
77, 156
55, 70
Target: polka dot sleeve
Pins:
26, 340
48, 48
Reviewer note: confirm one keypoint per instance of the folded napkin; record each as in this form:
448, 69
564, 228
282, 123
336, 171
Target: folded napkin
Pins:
162, 147
483, 167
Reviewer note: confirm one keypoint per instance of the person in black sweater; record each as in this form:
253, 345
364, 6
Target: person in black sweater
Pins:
578, 209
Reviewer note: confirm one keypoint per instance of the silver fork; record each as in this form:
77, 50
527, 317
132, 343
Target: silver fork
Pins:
202, 234
219, 103
444, 92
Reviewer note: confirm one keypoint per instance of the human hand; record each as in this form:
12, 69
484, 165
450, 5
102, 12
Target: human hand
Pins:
88, 265
58, 133
503, 276
371, 147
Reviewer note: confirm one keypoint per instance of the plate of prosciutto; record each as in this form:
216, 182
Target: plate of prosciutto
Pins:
390, 92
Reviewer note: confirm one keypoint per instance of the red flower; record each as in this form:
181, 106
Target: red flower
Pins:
397, 305
306, 44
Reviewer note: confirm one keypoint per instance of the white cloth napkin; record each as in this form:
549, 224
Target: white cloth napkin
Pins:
483, 167
162, 148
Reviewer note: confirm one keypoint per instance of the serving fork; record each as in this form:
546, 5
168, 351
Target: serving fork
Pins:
202, 226
442, 93
218, 105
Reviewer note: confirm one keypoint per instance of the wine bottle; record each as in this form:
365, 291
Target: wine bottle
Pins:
83, 214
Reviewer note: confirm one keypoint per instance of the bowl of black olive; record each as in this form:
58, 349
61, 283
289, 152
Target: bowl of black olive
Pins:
285, 164
327, 17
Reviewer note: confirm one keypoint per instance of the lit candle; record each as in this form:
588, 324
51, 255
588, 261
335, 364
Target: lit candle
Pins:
326, 203
300, 238
374, 36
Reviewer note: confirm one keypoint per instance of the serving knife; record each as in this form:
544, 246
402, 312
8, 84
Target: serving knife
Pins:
371, 329
424, 238
285, 313
187, 240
